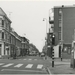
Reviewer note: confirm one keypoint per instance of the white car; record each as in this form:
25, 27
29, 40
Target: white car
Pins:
42, 54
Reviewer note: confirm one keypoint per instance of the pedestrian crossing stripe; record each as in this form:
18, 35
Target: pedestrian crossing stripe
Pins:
30, 59
19, 65
1, 63
24, 59
39, 66
29, 66
8, 65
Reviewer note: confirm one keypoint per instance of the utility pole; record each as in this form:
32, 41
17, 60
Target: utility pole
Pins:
61, 31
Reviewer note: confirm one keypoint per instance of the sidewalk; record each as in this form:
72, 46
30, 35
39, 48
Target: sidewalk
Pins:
6, 57
61, 67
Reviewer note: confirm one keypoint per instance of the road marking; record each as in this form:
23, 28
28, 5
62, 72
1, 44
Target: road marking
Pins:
35, 59
29, 66
49, 71
19, 65
8, 65
30, 59
22, 70
39, 66
1, 63
24, 59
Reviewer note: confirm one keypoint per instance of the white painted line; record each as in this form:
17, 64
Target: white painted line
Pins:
8, 65
24, 59
30, 59
49, 71
19, 65
22, 70
39, 66
29, 66
1, 63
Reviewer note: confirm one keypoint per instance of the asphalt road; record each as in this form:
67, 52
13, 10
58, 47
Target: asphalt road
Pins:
24, 65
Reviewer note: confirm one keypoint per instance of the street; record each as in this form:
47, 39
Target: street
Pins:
25, 65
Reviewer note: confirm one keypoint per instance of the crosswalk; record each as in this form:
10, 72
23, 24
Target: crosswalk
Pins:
8, 65
28, 66
18, 65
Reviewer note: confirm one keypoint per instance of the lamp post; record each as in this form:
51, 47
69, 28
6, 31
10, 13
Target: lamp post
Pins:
61, 31
44, 19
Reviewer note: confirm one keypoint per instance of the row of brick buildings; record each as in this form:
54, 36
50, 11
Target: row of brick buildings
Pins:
10, 42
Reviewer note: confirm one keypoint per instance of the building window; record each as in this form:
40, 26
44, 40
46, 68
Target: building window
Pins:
0, 49
59, 29
6, 36
59, 35
60, 17
60, 14
10, 39
60, 23
2, 23
60, 11
4, 51
0, 45
2, 35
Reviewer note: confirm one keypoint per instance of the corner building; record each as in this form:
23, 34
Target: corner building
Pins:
4, 34
64, 25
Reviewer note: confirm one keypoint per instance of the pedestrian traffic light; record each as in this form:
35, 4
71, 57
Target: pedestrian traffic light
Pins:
53, 39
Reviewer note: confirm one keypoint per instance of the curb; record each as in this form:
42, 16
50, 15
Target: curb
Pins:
48, 70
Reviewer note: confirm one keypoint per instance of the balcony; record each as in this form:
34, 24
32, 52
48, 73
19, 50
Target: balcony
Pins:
52, 25
51, 22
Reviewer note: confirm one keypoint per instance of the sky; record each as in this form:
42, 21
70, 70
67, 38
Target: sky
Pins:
27, 17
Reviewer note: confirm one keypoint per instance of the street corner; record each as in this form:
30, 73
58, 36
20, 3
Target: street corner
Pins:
61, 69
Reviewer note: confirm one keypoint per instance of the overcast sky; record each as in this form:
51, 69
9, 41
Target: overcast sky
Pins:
27, 18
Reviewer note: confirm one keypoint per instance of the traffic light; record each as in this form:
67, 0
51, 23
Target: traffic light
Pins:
53, 39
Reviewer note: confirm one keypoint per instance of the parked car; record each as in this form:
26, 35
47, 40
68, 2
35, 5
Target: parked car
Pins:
42, 54
32, 53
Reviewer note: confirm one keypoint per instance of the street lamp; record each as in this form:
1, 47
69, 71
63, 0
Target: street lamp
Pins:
44, 19
61, 31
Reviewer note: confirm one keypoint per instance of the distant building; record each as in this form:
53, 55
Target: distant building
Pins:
24, 46
64, 25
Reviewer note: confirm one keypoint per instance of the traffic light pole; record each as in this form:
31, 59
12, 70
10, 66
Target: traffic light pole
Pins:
53, 43
52, 56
